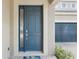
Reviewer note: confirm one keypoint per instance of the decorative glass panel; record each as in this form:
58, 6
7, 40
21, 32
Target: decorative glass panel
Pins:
21, 28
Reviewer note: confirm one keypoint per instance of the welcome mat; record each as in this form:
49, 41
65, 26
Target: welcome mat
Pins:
32, 57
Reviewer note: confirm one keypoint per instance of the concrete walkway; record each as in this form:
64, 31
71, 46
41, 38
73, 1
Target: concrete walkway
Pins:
48, 57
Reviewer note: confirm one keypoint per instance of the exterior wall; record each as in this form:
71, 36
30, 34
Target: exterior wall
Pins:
51, 33
51, 28
70, 16
11, 27
67, 17
10, 23
5, 28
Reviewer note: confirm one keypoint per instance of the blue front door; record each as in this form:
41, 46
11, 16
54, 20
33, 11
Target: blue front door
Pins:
33, 36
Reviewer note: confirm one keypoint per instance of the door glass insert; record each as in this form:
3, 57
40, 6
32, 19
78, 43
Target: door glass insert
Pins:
21, 29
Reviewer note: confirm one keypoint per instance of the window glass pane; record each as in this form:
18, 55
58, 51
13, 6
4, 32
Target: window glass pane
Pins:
65, 32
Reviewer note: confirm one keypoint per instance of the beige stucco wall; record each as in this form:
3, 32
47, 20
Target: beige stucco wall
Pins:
51, 27
66, 18
11, 28
68, 46
5, 28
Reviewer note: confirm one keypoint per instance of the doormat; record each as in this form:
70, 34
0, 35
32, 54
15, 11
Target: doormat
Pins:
32, 57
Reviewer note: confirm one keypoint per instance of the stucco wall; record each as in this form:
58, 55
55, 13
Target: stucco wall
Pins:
68, 46
11, 27
66, 18
5, 28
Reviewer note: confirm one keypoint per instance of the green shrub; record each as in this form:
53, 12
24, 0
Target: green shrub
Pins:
60, 53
